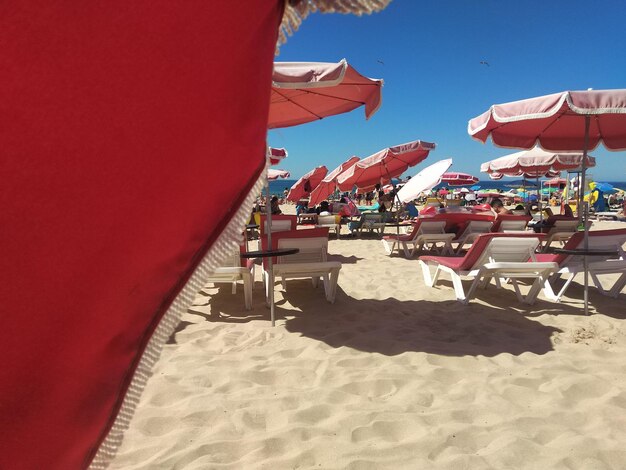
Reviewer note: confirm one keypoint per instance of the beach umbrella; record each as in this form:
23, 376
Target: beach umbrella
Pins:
604, 187
276, 155
307, 183
308, 91
273, 174
458, 179
425, 180
384, 165
535, 163
555, 182
476, 187
329, 184
566, 121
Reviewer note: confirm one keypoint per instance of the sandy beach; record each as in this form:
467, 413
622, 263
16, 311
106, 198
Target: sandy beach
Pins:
394, 375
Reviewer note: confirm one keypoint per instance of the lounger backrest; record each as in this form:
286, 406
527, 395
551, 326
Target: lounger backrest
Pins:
312, 250
598, 240
277, 237
476, 226
564, 226
280, 223
479, 252
431, 226
326, 220
510, 222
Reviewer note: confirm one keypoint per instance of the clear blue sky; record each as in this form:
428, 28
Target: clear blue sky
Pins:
434, 82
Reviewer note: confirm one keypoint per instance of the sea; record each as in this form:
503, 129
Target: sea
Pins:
278, 186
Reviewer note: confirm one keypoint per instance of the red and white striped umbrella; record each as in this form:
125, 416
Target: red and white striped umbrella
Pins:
329, 183
273, 174
307, 183
384, 165
458, 179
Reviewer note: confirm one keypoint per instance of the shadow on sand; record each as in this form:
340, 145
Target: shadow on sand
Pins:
391, 327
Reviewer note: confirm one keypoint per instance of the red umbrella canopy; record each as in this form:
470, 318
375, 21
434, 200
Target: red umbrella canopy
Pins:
309, 91
535, 163
303, 187
329, 183
276, 155
384, 165
458, 179
557, 121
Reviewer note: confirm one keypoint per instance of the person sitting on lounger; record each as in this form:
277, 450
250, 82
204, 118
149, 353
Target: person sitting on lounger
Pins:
498, 208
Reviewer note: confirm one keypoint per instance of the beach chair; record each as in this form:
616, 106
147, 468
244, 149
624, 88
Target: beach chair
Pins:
329, 221
560, 232
233, 270
473, 230
511, 223
310, 262
280, 223
425, 233
571, 265
497, 256
371, 222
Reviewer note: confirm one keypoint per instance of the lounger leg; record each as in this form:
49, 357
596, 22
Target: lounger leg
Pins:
247, 290
405, 248
386, 247
428, 280
458, 287
615, 290
331, 293
618, 286
234, 287
269, 284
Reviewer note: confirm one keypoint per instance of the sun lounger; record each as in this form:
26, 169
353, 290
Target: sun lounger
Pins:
310, 262
473, 229
571, 265
495, 256
425, 233
560, 232
233, 270
329, 221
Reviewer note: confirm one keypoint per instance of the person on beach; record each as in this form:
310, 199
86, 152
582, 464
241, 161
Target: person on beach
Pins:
498, 207
275, 208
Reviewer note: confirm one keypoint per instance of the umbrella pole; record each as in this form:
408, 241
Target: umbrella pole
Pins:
270, 266
585, 213
539, 196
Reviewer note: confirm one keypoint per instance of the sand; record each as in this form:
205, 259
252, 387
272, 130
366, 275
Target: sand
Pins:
394, 375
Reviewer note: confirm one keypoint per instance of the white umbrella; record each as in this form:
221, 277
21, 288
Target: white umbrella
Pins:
425, 180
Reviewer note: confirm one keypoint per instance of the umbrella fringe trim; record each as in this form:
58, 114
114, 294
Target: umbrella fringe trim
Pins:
226, 243
296, 11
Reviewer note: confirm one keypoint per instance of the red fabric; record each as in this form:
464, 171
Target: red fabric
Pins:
114, 119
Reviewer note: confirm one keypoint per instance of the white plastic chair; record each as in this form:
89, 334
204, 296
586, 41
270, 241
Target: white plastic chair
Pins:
232, 272
310, 262
329, 221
